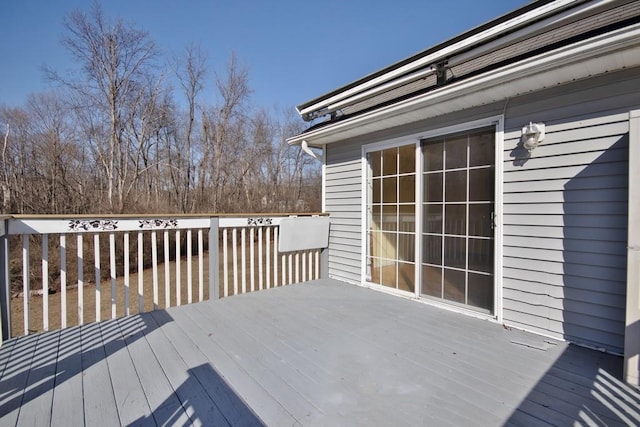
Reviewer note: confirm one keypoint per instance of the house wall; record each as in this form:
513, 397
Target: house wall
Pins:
565, 207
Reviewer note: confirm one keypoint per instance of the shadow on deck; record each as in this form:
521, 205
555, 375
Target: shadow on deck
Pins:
316, 353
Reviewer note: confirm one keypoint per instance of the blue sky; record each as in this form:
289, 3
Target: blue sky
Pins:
294, 50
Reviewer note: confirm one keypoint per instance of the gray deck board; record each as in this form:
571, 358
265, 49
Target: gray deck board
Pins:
97, 389
127, 390
161, 398
38, 396
68, 408
319, 353
195, 401
270, 411
15, 378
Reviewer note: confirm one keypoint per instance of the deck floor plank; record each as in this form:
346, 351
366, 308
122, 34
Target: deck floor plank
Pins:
68, 408
15, 379
38, 396
127, 389
261, 364
160, 395
319, 353
99, 401
5, 354
351, 340
234, 410
270, 411
330, 387
195, 401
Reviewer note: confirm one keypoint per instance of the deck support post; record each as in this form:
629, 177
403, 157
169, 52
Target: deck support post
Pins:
5, 286
632, 324
214, 255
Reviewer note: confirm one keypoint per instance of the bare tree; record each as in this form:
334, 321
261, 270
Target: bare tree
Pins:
114, 60
190, 71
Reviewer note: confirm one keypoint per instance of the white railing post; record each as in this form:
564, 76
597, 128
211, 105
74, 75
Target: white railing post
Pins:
127, 279
214, 274
167, 271
154, 268
140, 273
112, 272
25, 282
200, 266
80, 261
225, 267
63, 281
5, 297
96, 267
45, 282
178, 278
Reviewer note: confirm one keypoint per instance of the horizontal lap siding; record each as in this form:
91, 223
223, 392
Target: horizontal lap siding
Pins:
565, 215
343, 187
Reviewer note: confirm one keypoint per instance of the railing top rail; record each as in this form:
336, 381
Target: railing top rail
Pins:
47, 224
160, 215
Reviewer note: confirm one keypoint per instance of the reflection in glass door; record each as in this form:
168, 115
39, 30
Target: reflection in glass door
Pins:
391, 207
458, 208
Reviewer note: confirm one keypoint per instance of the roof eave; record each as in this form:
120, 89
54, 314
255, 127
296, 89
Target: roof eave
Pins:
576, 61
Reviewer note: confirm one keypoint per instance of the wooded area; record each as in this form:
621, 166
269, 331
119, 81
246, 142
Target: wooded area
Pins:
117, 136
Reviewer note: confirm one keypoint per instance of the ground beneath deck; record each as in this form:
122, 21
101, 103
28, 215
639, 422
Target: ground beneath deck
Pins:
315, 353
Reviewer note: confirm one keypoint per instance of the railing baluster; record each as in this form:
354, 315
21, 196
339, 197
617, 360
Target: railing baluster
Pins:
200, 265
80, 260
154, 268
126, 273
260, 258
189, 269
63, 281
234, 243
251, 257
178, 278
140, 272
274, 268
96, 272
25, 282
112, 262
167, 272
283, 260
275, 257
268, 256
304, 267
45, 282
243, 248
225, 267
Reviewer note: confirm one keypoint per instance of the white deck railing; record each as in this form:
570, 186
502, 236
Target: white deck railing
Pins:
139, 264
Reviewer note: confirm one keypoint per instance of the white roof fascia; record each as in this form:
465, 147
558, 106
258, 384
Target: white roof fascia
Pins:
449, 50
623, 44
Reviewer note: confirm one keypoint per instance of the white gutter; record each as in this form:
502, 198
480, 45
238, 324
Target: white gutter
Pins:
480, 87
383, 88
509, 25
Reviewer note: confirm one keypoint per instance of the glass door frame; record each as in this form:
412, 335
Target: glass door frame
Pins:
367, 201
415, 139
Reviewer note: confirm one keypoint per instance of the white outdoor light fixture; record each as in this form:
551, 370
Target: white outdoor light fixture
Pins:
532, 135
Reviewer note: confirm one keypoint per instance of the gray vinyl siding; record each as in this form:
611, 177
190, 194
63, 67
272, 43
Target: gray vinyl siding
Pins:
565, 213
343, 200
564, 226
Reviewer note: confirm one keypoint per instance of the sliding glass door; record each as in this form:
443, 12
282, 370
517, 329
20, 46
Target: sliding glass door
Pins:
458, 177
455, 254
391, 207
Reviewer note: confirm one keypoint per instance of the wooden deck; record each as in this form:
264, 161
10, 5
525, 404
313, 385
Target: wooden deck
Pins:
318, 353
